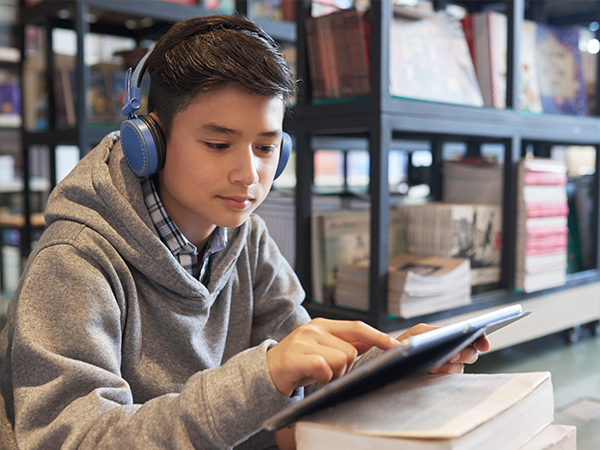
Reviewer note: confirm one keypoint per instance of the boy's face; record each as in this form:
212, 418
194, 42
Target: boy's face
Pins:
220, 160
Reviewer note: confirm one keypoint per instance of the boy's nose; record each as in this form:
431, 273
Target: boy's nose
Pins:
245, 168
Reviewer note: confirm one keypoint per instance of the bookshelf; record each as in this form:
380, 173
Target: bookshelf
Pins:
381, 118
141, 20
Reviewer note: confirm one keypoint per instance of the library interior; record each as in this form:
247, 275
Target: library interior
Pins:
443, 166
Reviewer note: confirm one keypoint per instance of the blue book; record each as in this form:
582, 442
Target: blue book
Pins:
562, 88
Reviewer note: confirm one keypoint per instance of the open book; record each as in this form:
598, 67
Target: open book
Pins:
416, 355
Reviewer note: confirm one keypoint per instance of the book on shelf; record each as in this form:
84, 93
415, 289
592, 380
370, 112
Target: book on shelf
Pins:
417, 285
337, 236
562, 88
437, 412
63, 98
10, 99
274, 9
530, 99
430, 60
489, 51
279, 213
343, 236
338, 48
36, 92
472, 231
101, 99
472, 180
550, 67
589, 70
542, 224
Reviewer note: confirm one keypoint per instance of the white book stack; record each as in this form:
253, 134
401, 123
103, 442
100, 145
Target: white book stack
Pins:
542, 231
416, 285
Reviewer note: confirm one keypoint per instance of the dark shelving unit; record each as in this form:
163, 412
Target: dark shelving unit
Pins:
382, 118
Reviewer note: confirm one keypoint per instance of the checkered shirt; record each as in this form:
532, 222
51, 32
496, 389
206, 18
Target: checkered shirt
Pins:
183, 250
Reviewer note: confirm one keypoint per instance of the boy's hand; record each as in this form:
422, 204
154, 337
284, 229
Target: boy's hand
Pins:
322, 350
468, 355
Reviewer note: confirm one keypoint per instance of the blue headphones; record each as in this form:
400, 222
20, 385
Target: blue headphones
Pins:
142, 139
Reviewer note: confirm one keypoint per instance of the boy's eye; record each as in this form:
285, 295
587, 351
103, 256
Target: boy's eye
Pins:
216, 145
268, 148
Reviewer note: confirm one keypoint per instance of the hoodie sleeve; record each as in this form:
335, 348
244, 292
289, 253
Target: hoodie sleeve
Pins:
68, 389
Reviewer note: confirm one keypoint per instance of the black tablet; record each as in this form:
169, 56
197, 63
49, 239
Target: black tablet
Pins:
417, 354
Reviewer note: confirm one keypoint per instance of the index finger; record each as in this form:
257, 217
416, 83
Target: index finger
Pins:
359, 334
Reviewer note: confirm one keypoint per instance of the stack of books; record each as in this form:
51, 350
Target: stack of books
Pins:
439, 412
339, 49
416, 285
542, 231
472, 180
472, 231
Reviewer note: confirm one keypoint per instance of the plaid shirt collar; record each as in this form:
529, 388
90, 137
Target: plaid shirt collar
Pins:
183, 250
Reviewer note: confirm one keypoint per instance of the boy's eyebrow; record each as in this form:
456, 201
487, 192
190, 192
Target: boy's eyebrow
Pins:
215, 128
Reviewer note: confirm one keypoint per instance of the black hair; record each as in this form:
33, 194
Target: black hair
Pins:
204, 54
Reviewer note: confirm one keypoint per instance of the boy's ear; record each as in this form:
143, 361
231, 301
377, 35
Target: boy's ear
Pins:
156, 119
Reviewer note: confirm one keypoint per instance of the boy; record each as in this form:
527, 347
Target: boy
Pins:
158, 313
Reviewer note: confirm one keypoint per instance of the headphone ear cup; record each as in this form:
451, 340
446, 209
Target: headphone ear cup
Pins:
284, 156
159, 141
143, 144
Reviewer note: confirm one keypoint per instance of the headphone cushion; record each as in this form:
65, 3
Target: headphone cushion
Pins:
159, 140
284, 156
143, 145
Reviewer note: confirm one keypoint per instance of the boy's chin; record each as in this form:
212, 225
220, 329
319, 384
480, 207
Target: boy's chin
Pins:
234, 222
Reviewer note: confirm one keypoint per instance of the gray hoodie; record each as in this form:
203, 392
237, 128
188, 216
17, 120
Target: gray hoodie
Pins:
112, 345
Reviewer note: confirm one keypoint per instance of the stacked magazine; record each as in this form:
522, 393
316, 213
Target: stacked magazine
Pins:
417, 285
472, 231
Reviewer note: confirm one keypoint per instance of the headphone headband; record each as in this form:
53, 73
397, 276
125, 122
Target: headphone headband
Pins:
133, 91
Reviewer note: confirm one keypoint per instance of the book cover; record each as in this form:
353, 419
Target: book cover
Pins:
456, 411
344, 237
10, 100
430, 60
562, 88
338, 237
490, 50
97, 98
529, 88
